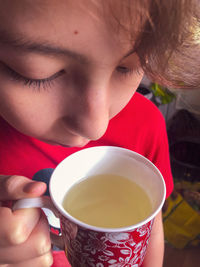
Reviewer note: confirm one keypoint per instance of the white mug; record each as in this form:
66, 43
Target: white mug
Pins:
87, 245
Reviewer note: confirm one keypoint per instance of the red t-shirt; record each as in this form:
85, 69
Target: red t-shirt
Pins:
139, 127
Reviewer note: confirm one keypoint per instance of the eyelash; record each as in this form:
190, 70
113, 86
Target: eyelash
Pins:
124, 70
34, 83
47, 82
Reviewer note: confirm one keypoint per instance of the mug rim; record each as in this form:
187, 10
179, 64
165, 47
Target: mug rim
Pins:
83, 225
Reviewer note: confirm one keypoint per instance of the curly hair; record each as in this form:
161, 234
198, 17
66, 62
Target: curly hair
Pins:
166, 37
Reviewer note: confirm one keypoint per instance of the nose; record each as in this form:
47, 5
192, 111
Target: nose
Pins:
89, 113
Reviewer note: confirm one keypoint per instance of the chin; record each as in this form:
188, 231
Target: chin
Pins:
80, 143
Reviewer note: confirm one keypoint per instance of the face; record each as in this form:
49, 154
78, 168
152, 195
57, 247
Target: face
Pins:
64, 70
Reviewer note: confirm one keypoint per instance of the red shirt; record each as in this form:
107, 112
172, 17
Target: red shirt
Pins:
139, 127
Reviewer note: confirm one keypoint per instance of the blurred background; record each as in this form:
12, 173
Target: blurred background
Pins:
181, 212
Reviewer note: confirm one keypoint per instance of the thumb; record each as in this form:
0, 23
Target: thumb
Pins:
17, 187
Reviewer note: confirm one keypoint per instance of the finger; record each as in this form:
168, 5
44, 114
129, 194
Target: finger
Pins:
36, 245
45, 260
15, 227
17, 187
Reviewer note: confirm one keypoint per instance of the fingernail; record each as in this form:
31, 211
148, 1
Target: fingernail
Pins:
29, 187
34, 187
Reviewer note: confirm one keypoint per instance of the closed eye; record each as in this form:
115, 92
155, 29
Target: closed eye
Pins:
124, 70
35, 83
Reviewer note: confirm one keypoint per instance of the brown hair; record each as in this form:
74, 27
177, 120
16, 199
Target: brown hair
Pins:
168, 39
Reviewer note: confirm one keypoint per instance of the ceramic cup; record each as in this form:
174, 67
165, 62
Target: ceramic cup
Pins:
87, 245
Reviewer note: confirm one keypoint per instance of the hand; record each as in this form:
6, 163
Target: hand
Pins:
24, 234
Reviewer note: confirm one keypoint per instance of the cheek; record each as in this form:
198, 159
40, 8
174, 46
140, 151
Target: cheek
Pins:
122, 91
26, 111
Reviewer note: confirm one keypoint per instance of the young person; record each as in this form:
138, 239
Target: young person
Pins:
68, 75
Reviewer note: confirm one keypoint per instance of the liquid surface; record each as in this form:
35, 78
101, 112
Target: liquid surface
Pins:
108, 201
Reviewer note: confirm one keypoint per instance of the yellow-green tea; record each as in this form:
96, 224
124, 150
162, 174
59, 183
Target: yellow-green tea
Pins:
108, 201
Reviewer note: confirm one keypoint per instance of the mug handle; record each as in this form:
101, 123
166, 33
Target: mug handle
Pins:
41, 202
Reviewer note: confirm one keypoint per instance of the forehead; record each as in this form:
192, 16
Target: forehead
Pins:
39, 15
51, 18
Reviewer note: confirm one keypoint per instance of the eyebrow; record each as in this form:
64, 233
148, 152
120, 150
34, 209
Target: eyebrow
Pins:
22, 44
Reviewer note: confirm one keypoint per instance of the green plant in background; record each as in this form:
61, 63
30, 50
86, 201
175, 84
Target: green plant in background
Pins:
162, 94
